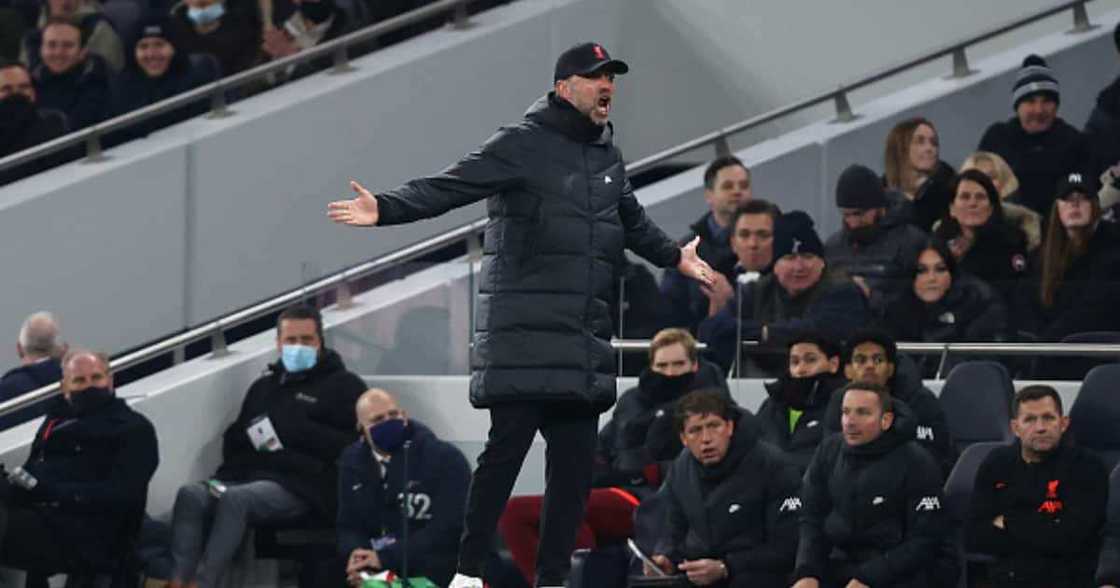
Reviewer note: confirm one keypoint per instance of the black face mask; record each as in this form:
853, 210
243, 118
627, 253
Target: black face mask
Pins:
15, 111
89, 399
865, 235
796, 391
665, 388
317, 12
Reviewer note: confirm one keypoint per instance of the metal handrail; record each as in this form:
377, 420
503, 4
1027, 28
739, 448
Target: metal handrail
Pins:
216, 91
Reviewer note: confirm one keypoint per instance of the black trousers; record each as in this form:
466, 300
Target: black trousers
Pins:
569, 431
27, 543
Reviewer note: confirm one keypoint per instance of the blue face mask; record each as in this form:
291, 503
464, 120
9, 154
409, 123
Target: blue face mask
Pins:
205, 16
389, 435
298, 358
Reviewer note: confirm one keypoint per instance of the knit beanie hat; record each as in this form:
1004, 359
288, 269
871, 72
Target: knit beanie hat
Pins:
1035, 77
794, 233
859, 188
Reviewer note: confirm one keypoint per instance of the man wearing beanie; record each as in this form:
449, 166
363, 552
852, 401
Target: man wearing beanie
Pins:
872, 246
562, 212
799, 293
1040, 147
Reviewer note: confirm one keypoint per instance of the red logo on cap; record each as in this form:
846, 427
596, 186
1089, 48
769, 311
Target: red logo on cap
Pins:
599, 52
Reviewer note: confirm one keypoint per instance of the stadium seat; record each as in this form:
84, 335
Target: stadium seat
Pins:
976, 399
958, 494
1096, 412
125, 16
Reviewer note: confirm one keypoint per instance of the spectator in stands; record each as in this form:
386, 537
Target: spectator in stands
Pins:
943, 304
732, 500
792, 416
23, 123
871, 502
1075, 276
914, 168
206, 26
1041, 147
752, 244
985, 244
871, 246
100, 38
313, 22
70, 79
91, 461
727, 186
798, 294
372, 478
1102, 130
40, 355
278, 457
157, 70
1038, 504
872, 356
993, 166
636, 448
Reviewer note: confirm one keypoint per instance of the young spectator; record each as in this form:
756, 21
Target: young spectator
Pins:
70, 79
984, 244
871, 246
371, 481
1038, 505
312, 23
798, 294
23, 123
943, 304
635, 450
1075, 276
870, 502
727, 186
792, 416
732, 501
1041, 147
100, 36
915, 169
40, 354
157, 70
993, 166
207, 26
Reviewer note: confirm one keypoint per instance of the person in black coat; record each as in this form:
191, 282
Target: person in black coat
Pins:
561, 214
1039, 146
871, 510
40, 357
1038, 505
983, 242
23, 124
69, 79
278, 457
732, 500
90, 465
793, 414
371, 481
211, 26
914, 171
872, 356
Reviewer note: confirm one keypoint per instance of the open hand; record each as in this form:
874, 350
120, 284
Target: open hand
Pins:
692, 266
360, 211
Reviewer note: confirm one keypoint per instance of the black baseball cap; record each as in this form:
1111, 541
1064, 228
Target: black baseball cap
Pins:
584, 59
1076, 182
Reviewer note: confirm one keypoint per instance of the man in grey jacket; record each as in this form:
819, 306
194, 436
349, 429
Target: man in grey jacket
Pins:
561, 213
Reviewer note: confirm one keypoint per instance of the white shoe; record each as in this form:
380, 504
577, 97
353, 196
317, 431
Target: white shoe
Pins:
461, 581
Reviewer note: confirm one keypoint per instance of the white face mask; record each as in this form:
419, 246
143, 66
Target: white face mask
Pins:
205, 16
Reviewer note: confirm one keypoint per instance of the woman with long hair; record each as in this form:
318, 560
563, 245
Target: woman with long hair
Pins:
912, 160
1007, 184
1075, 275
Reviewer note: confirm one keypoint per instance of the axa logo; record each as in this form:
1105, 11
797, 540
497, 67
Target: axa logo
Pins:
877, 500
791, 504
928, 503
925, 433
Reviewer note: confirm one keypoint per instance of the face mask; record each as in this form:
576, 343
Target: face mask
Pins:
317, 12
864, 235
89, 399
665, 388
796, 391
389, 435
15, 111
298, 358
205, 16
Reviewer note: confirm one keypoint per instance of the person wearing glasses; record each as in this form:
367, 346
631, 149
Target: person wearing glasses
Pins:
872, 356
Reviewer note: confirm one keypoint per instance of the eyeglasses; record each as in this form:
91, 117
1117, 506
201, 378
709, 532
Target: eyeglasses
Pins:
876, 360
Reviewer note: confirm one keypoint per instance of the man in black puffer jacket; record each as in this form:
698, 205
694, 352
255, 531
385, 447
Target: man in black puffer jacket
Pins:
278, 457
561, 214
732, 500
871, 502
91, 461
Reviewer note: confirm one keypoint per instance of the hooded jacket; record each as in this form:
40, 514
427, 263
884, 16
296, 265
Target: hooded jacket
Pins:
741, 511
872, 512
561, 213
641, 432
1102, 130
1052, 511
369, 507
883, 261
970, 311
797, 441
313, 415
998, 256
